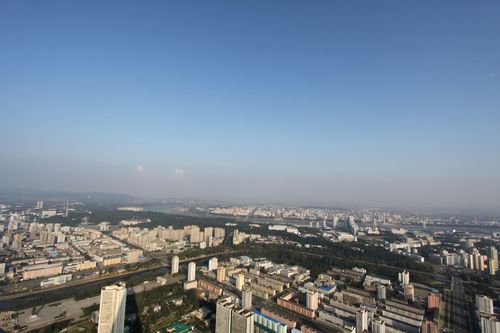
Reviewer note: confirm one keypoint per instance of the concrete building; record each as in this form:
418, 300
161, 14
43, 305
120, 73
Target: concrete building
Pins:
246, 297
312, 300
210, 287
195, 234
381, 292
433, 301
484, 304
242, 321
43, 270
266, 324
409, 292
175, 265
289, 301
112, 308
208, 235
191, 275
231, 319
361, 321
404, 278
223, 315
221, 274
212, 264
240, 281
489, 325
133, 256
491, 266
378, 326
494, 254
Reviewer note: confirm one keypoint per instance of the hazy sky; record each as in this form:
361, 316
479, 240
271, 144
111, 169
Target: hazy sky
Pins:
374, 103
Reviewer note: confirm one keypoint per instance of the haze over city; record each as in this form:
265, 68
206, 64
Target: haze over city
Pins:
258, 166
391, 103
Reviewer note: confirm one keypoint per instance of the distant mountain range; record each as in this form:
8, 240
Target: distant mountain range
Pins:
27, 195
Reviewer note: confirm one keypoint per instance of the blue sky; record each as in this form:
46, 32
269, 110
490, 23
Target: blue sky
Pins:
366, 103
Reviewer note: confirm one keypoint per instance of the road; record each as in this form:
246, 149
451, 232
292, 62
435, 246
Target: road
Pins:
48, 313
9, 301
458, 305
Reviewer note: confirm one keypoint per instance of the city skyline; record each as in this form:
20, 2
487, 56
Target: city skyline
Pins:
384, 105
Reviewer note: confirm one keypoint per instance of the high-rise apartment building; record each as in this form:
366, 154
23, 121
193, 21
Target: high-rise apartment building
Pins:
242, 321
240, 281
484, 304
175, 265
494, 257
208, 236
212, 264
223, 316
489, 325
232, 319
221, 274
246, 297
112, 308
378, 326
191, 275
409, 292
361, 321
404, 277
381, 292
312, 300
195, 234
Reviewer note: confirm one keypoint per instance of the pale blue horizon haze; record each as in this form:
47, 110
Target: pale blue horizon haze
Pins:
339, 103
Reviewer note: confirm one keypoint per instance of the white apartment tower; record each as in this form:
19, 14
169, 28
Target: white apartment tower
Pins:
246, 298
175, 265
240, 281
221, 274
378, 326
191, 276
112, 308
212, 264
242, 321
484, 304
404, 277
361, 321
494, 258
223, 316
312, 300
381, 292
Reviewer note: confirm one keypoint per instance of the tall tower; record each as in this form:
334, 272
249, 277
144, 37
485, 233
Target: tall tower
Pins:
175, 265
246, 298
223, 316
242, 321
212, 264
112, 308
240, 280
494, 256
221, 274
378, 326
191, 271
67, 208
195, 234
404, 277
409, 292
361, 321
381, 292
312, 300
